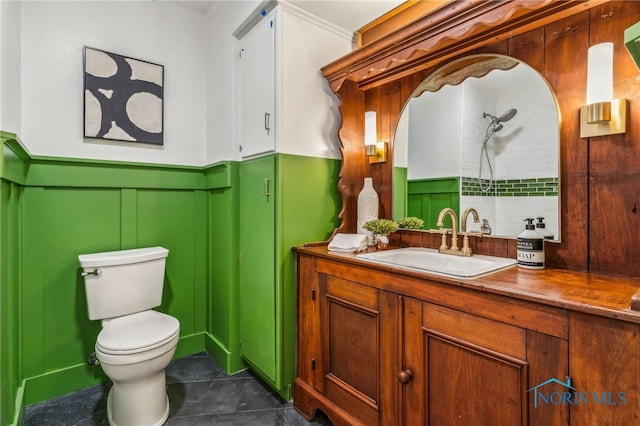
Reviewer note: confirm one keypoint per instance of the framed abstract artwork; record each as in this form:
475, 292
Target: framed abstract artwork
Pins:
123, 98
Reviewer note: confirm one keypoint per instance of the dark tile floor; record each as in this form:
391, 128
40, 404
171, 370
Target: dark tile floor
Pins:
200, 393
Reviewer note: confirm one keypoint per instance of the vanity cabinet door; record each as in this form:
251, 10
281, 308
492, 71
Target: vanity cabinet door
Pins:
480, 371
360, 346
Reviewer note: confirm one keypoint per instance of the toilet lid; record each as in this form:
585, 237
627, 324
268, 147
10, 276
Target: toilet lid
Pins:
137, 332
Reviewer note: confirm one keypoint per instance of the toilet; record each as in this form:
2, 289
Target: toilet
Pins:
136, 343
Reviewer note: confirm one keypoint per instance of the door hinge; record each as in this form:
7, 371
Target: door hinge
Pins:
313, 294
313, 364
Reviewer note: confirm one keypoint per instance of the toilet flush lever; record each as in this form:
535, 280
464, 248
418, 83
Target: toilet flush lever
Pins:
97, 272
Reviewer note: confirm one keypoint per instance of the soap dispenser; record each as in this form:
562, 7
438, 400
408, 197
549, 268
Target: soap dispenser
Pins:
530, 247
542, 230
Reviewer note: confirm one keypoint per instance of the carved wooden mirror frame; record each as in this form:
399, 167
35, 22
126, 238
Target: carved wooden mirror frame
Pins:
382, 75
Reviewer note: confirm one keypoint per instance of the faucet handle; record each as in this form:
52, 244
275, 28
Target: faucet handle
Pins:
472, 233
466, 250
444, 232
485, 228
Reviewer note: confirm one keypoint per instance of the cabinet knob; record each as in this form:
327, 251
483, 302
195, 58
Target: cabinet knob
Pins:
405, 376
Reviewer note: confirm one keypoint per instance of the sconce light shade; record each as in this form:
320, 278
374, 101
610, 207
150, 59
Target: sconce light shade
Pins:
600, 73
602, 115
376, 151
632, 42
370, 130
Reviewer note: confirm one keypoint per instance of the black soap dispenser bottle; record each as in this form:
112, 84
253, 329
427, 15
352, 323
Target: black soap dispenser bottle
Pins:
530, 247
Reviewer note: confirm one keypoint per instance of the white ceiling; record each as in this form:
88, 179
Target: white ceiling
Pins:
348, 14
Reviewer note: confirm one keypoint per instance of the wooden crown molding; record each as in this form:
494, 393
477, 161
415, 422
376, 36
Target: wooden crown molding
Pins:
451, 30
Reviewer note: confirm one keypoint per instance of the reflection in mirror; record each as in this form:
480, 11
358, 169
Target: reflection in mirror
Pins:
481, 132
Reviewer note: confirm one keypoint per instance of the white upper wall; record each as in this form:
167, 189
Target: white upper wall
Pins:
10, 66
222, 88
198, 53
435, 134
53, 36
306, 108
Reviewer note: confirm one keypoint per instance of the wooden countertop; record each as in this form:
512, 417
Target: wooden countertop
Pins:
603, 295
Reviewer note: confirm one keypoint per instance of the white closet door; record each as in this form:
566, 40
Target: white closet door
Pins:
257, 89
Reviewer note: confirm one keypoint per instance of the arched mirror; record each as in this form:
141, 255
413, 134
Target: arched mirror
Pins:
480, 132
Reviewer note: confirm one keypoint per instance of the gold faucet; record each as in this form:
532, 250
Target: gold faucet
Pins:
466, 250
454, 232
465, 215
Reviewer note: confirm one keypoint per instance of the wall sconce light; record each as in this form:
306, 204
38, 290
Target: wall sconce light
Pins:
602, 115
376, 151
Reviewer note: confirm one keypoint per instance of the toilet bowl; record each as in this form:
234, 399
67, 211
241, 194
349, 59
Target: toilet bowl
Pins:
136, 343
134, 351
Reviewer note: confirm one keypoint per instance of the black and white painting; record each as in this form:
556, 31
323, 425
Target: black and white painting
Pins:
123, 98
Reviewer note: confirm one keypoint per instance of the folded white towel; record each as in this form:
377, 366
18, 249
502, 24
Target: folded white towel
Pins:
348, 243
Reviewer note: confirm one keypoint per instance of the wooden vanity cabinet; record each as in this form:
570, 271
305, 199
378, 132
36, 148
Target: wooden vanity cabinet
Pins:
371, 353
346, 349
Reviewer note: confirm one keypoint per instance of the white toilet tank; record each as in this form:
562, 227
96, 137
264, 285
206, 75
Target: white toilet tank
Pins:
123, 282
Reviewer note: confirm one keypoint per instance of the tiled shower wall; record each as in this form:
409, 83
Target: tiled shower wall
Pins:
523, 155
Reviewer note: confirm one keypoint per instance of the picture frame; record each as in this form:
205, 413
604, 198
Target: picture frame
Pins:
123, 98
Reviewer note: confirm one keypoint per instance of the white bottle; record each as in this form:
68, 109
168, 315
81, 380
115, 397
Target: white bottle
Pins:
530, 247
542, 230
367, 207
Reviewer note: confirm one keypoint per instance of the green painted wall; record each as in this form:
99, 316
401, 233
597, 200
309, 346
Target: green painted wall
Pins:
10, 306
399, 193
11, 195
222, 273
62, 222
303, 206
427, 197
52, 210
308, 207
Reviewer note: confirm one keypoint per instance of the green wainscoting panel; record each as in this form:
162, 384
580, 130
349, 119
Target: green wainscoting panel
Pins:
220, 175
128, 218
53, 209
308, 207
61, 381
399, 193
427, 197
10, 301
175, 220
223, 296
13, 158
62, 223
45, 171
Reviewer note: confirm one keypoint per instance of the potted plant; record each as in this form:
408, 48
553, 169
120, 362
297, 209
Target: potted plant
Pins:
381, 228
411, 222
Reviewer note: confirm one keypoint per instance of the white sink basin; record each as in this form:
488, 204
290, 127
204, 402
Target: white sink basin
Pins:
431, 260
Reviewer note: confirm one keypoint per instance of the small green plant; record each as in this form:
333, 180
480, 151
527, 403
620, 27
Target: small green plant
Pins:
381, 226
411, 223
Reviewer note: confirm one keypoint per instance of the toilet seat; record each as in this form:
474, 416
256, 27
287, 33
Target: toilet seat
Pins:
135, 333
